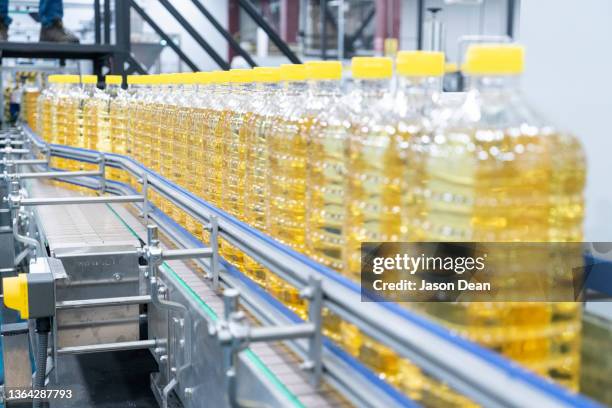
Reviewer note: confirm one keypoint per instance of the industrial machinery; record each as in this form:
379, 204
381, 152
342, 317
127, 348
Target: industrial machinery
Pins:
110, 272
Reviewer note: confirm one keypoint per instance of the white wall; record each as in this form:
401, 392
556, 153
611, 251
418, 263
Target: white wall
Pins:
568, 78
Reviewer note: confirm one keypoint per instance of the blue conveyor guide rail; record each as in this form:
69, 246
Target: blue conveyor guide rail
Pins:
480, 374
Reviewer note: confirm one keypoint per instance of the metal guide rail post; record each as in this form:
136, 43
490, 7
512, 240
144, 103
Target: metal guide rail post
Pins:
480, 374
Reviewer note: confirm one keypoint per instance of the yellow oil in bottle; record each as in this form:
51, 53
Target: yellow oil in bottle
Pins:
89, 109
66, 117
140, 89
257, 129
182, 168
165, 134
375, 186
326, 170
326, 184
236, 113
118, 118
287, 146
31, 94
509, 180
212, 130
214, 127
138, 106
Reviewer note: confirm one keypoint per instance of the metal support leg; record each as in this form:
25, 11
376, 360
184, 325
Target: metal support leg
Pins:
315, 315
102, 170
214, 245
145, 194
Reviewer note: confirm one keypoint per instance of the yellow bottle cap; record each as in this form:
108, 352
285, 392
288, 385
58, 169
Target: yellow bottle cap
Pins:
89, 79
420, 63
113, 79
16, 294
494, 59
64, 79
156, 79
133, 79
241, 76
266, 74
162, 79
202, 77
371, 67
324, 70
293, 72
187, 78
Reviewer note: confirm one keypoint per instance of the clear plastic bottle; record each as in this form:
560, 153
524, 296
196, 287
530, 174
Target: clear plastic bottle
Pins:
199, 140
370, 105
214, 127
326, 170
154, 115
31, 92
370, 102
135, 92
183, 169
68, 118
46, 101
238, 110
165, 106
258, 127
117, 105
287, 160
494, 172
89, 106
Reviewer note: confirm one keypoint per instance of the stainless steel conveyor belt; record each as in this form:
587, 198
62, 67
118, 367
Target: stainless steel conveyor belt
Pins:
79, 227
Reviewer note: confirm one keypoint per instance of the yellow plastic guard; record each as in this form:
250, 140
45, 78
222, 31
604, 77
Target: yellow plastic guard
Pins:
16, 294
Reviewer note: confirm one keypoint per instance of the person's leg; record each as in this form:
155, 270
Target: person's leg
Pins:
4, 17
52, 29
50, 11
5, 20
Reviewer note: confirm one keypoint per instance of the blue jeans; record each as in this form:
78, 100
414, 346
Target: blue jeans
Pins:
49, 11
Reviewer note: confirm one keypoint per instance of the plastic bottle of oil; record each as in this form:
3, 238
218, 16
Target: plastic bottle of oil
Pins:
494, 172
31, 92
90, 111
370, 103
166, 109
214, 127
135, 92
280, 163
115, 108
287, 153
153, 109
237, 112
46, 104
68, 117
102, 100
259, 125
43, 109
198, 140
182, 166
326, 169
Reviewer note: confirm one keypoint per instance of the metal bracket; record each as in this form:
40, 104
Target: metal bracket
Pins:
102, 171
235, 334
145, 194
